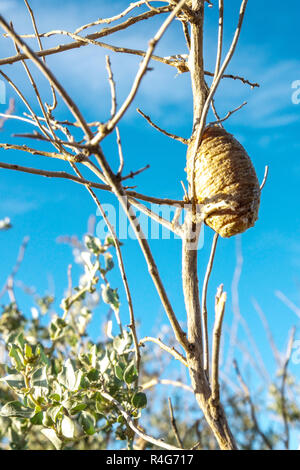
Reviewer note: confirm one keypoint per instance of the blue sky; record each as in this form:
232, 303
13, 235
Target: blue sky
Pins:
268, 127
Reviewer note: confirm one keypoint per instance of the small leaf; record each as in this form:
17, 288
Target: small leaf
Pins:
56, 328
104, 363
28, 351
93, 244
20, 340
67, 376
110, 296
37, 418
43, 358
109, 241
139, 400
119, 372
88, 423
77, 408
51, 435
130, 374
14, 381
93, 375
67, 427
39, 378
53, 412
121, 343
109, 262
16, 356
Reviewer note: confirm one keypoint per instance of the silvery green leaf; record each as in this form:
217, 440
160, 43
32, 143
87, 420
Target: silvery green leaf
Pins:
93, 244
14, 381
109, 263
67, 427
139, 400
16, 356
39, 378
68, 378
110, 296
104, 363
130, 373
15, 409
51, 435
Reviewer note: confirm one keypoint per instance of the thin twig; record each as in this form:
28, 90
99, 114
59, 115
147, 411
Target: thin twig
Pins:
68, 176
16, 268
160, 220
112, 19
186, 33
80, 43
284, 411
8, 113
217, 330
138, 78
49, 75
112, 87
264, 321
168, 134
132, 174
33, 151
230, 113
174, 383
120, 149
265, 177
220, 36
280, 295
204, 305
54, 104
174, 424
132, 425
172, 351
252, 407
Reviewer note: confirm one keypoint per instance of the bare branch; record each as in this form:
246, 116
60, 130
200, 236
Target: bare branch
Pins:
131, 7
8, 113
24, 148
132, 425
9, 282
132, 174
252, 407
49, 75
288, 302
230, 113
174, 425
79, 43
61, 174
172, 136
121, 156
54, 104
273, 346
217, 330
112, 87
174, 383
163, 346
220, 36
139, 76
204, 306
282, 389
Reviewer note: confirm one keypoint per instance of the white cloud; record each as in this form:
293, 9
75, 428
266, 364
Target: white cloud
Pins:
83, 71
15, 206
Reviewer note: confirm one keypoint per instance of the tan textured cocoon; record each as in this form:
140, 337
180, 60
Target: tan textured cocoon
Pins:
225, 179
